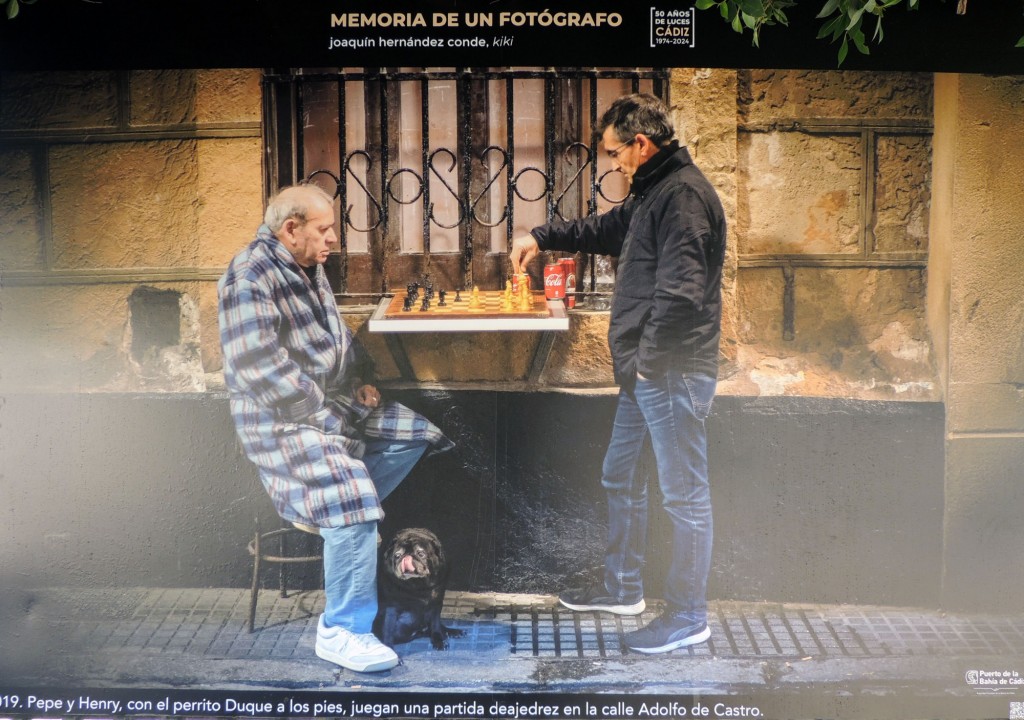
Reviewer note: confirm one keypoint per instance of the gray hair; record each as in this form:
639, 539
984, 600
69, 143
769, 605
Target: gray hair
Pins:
294, 202
639, 113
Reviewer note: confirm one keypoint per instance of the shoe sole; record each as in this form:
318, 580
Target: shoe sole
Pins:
685, 642
377, 666
634, 609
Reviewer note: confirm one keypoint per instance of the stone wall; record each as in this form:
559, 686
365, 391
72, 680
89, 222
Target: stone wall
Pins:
153, 179
123, 192
833, 194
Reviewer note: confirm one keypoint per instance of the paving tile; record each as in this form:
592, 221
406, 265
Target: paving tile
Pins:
212, 623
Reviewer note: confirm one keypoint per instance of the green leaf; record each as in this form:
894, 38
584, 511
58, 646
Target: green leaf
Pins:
830, 7
748, 20
1020, 43
855, 17
858, 39
830, 27
12, 10
879, 35
737, 24
724, 10
754, 8
704, 4
843, 49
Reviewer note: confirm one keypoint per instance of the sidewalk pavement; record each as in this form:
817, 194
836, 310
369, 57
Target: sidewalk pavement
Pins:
150, 637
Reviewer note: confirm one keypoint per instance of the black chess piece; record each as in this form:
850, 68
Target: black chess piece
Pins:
407, 304
458, 298
441, 295
426, 304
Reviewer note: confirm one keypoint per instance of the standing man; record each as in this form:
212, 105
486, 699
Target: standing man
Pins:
669, 236
328, 450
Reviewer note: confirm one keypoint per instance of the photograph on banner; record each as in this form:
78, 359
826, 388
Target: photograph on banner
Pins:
521, 361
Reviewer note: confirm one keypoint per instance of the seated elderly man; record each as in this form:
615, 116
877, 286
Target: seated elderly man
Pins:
327, 448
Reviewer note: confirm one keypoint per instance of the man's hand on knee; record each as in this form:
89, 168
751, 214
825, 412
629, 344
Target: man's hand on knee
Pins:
368, 395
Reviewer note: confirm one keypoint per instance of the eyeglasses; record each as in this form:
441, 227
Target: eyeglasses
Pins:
614, 153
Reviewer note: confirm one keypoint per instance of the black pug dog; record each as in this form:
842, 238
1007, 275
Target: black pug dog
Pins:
411, 580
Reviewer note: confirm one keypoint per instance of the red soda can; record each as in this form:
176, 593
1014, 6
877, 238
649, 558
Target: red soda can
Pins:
554, 281
570, 281
518, 278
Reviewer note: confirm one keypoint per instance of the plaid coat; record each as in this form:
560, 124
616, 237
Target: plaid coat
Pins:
291, 367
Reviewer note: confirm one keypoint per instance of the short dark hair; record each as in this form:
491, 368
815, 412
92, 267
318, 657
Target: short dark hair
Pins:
639, 113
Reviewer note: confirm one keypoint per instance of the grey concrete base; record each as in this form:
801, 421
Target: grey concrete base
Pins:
816, 500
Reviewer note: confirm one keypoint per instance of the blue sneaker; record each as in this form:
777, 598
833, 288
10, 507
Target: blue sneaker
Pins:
666, 633
597, 598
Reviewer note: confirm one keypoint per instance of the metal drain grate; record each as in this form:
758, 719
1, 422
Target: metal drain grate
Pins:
752, 630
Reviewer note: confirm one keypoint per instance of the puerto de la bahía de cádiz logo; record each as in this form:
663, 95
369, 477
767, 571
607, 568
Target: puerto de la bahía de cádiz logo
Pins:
994, 679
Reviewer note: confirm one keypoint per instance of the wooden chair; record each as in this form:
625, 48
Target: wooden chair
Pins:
274, 547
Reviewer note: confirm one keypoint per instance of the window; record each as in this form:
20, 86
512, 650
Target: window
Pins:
436, 170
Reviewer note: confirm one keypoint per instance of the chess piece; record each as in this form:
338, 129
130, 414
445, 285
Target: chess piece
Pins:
426, 304
474, 299
525, 297
440, 295
407, 304
506, 298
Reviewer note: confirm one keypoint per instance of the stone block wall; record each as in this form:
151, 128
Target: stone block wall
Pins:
832, 206
121, 189
117, 182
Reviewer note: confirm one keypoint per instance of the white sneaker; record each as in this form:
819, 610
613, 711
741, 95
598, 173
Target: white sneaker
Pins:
362, 653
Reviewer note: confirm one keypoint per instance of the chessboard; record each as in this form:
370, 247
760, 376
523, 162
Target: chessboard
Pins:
489, 304
459, 311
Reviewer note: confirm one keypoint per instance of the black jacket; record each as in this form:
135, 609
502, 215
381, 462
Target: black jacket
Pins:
669, 236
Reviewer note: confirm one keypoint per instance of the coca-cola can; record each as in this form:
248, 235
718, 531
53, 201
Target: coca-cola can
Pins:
570, 281
554, 281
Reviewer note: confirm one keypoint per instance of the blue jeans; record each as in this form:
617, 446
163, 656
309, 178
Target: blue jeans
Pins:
672, 409
350, 552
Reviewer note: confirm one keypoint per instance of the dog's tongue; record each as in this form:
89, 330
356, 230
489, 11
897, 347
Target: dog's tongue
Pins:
407, 566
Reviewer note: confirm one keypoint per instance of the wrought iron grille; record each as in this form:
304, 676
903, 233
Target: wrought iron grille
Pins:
435, 171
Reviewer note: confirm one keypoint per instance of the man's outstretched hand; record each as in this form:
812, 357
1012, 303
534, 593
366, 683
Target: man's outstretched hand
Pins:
524, 249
